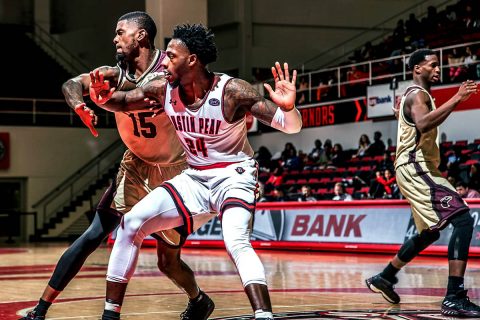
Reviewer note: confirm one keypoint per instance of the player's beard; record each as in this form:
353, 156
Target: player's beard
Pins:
120, 57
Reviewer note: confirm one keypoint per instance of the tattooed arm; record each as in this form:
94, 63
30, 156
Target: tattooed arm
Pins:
280, 113
140, 98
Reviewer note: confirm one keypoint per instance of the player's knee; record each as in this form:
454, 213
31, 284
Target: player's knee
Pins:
168, 265
132, 227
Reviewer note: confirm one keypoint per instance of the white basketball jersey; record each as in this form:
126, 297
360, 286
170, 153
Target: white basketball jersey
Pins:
207, 137
150, 139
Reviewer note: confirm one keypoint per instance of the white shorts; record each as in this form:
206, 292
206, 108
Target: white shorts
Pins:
199, 193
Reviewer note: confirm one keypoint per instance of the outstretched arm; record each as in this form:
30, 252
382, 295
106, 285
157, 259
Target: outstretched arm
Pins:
425, 120
140, 98
279, 113
74, 89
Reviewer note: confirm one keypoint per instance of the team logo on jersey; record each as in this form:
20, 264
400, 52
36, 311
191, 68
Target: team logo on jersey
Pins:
214, 102
445, 201
393, 314
240, 170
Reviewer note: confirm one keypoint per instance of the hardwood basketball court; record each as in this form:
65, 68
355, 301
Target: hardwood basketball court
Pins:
300, 282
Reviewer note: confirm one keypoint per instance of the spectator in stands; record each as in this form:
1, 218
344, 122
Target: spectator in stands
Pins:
356, 86
261, 193
275, 179
279, 195
302, 91
398, 37
465, 192
389, 183
306, 194
293, 161
456, 61
340, 194
339, 157
474, 176
471, 64
317, 151
323, 89
368, 52
286, 153
386, 163
377, 148
328, 148
452, 180
412, 28
363, 144
376, 190
264, 158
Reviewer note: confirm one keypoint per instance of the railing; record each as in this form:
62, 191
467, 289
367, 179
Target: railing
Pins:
78, 182
68, 60
53, 112
351, 80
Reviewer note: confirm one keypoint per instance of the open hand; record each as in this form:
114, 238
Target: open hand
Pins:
100, 90
285, 91
467, 88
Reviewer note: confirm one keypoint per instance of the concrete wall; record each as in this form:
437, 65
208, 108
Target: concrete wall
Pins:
47, 156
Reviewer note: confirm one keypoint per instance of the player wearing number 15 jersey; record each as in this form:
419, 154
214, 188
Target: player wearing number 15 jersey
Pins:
154, 155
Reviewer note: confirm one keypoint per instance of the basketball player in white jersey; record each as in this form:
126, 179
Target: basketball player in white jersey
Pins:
433, 200
208, 112
154, 155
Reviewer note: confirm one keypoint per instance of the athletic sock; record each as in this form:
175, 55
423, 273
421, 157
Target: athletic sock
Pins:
455, 284
42, 307
261, 314
389, 273
197, 298
110, 315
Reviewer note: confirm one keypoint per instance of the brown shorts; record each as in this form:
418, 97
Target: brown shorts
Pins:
135, 179
433, 199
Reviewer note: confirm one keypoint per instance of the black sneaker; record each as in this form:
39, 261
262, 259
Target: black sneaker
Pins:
32, 315
199, 310
379, 284
459, 305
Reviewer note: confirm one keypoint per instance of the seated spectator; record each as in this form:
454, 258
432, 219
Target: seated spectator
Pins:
302, 96
323, 89
340, 194
306, 194
456, 63
357, 80
293, 161
261, 193
286, 153
389, 183
376, 190
279, 195
363, 145
275, 180
474, 176
316, 152
264, 158
471, 64
385, 164
377, 148
465, 192
338, 156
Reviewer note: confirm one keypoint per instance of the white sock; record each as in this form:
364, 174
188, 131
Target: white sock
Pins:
115, 307
263, 314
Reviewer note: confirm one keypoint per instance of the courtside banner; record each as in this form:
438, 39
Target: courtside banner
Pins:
380, 98
353, 226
